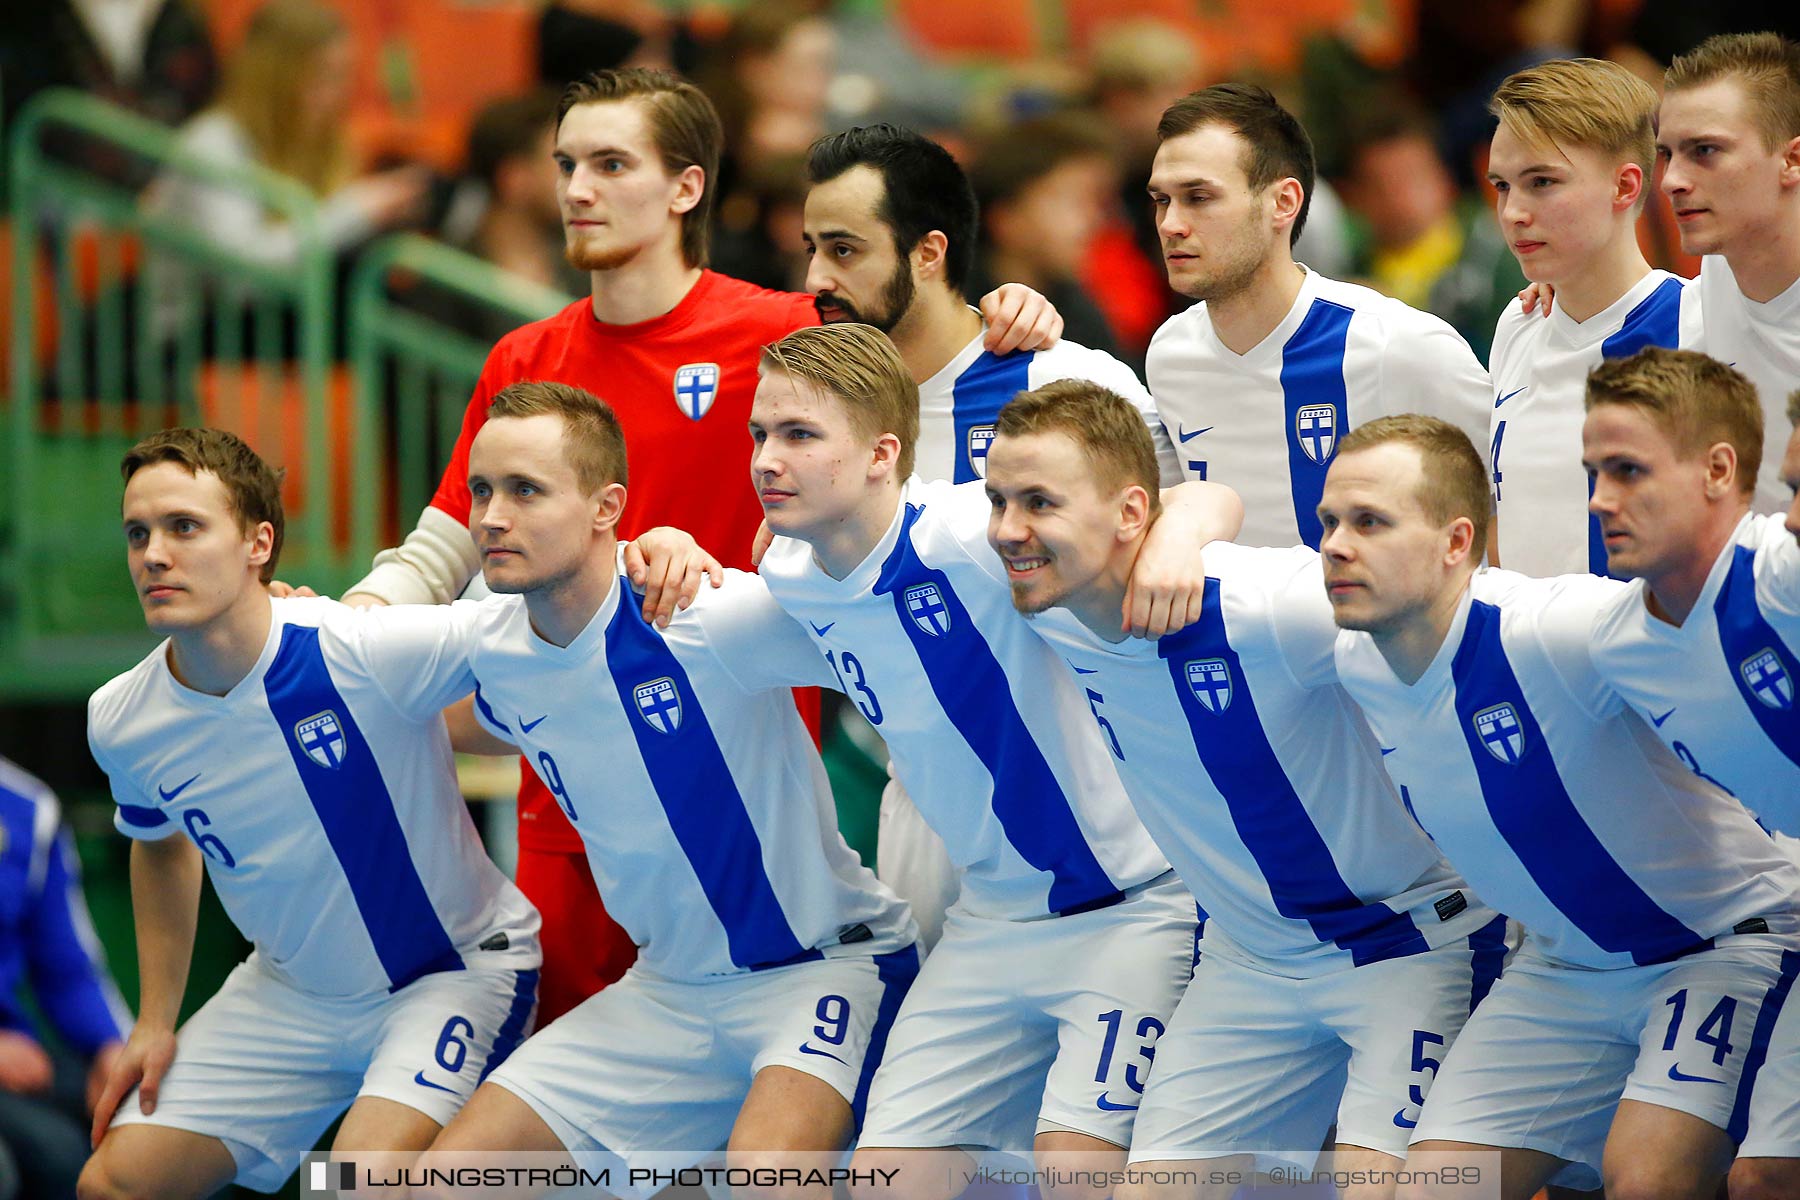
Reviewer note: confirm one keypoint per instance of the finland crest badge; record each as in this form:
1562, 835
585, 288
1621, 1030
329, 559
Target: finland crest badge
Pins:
925, 604
659, 703
1210, 681
1767, 679
980, 438
1315, 428
696, 387
1499, 730
322, 738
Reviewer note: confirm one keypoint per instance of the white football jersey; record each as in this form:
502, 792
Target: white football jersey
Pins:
1256, 775
1763, 342
678, 756
1556, 802
1540, 367
958, 405
990, 735
1720, 687
1268, 422
322, 792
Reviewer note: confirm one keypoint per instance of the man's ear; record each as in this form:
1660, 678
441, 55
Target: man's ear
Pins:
690, 186
931, 256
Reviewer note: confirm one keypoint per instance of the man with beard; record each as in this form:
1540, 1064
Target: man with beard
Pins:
1261, 379
673, 346
890, 225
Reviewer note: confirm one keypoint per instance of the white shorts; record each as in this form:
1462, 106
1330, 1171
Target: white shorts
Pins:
1019, 1026
651, 1068
266, 1068
1772, 1116
1545, 1060
911, 859
1260, 1063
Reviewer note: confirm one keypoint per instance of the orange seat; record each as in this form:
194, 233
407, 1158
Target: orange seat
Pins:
1005, 29
266, 408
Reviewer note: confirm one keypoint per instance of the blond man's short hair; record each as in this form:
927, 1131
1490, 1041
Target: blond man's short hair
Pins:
1105, 425
859, 366
593, 442
1697, 401
1767, 64
1588, 102
1793, 409
1452, 480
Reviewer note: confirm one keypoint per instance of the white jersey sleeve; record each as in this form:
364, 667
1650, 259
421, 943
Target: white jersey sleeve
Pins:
1428, 368
754, 641
1762, 340
1722, 689
417, 654
1291, 586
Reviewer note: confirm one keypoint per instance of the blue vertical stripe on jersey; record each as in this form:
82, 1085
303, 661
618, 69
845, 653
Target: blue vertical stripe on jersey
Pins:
357, 814
699, 796
977, 397
1487, 955
512, 1029
1656, 321
972, 688
1267, 812
140, 816
896, 969
1533, 811
1312, 372
1773, 1002
1744, 635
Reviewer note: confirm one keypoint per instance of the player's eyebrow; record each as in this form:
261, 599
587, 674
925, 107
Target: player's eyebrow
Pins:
1198, 181
839, 235
1533, 169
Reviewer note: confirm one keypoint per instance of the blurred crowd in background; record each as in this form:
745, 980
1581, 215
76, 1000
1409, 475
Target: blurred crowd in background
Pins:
435, 115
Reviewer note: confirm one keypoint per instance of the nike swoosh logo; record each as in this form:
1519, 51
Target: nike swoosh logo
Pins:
805, 1049
1509, 396
1184, 436
527, 726
424, 1082
822, 630
1676, 1073
1657, 721
1387, 750
1086, 670
1105, 1105
169, 794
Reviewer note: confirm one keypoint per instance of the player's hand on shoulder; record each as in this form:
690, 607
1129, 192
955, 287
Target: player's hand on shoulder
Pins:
25, 1067
1166, 589
142, 1063
282, 591
1019, 318
667, 565
759, 545
1536, 296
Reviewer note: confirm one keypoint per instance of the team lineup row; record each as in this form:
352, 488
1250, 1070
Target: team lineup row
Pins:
1521, 722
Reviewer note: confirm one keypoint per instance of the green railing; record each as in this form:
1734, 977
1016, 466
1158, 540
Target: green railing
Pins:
120, 353
425, 369
127, 319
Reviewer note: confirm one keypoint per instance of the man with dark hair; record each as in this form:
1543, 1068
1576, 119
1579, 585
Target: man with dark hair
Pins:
674, 346
1260, 380
890, 224
293, 750
1045, 188
1622, 1043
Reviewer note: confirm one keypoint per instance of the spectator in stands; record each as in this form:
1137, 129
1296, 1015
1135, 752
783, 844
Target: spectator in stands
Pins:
282, 106
1422, 242
516, 223
150, 56
47, 941
1045, 188
1136, 69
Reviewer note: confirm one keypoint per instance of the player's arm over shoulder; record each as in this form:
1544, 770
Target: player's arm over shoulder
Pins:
753, 639
418, 655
